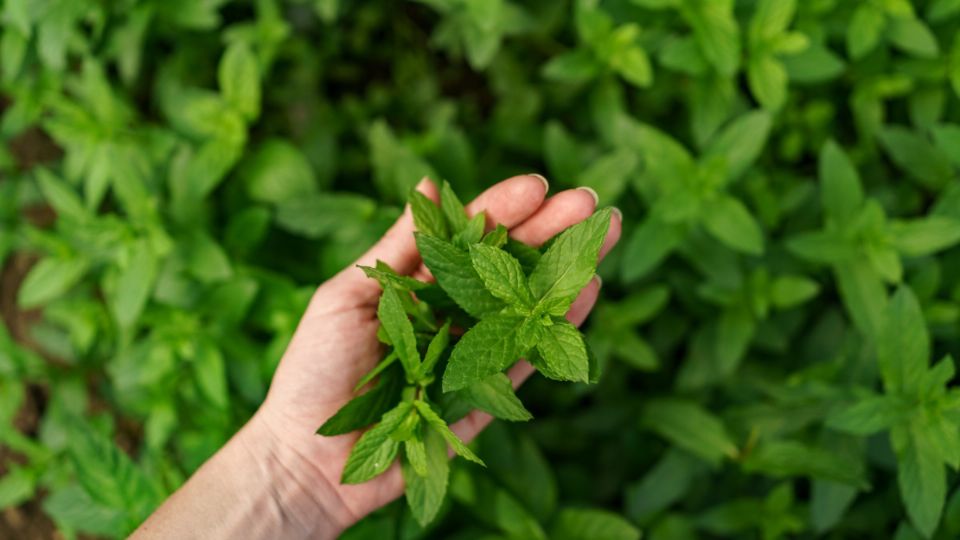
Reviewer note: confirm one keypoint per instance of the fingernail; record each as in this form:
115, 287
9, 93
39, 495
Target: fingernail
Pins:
592, 192
618, 212
546, 184
423, 182
599, 280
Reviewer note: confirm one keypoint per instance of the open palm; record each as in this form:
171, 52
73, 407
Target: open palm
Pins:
335, 343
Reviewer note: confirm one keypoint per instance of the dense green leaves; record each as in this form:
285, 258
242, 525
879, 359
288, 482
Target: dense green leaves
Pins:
178, 177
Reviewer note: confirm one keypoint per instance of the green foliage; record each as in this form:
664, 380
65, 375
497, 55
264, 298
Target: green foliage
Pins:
775, 328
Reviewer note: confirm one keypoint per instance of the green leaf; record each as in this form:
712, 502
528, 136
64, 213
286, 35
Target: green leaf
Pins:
276, 172
576, 66
427, 216
425, 492
453, 270
690, 427
869, 415
570, 262
865, 30
925, 236
717, 33
912, 36
788, 291
495, 396
321, 215
562, 354
16, 486
415, 454
437, 423
502, 275
591, 524
61, 196
435, 349
211, 373
134, 284
784, 459
917, 157
633, 64
731, 223
742, 141
239, 77
903, 346
840, 191
922, 480
366, 408
487, 348
452, 209
863, 294
767, 77
822, 247
50, 278
400, 330
375, 451
649, 244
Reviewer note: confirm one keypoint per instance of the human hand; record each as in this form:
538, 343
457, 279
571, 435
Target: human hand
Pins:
335, 345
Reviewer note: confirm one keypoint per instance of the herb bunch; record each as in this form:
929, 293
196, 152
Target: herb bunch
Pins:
508, 299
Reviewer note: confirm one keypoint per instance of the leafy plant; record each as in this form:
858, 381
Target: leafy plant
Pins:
504, 315
177, 176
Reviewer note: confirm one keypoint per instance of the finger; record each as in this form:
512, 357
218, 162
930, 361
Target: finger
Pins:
613, 233
557, 213
511, 201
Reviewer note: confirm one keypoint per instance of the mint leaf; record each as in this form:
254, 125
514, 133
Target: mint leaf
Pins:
239, 78
562, 353
869, 415
922, 481
690, 427
387, 276
375, 450
399, 329
731, 223
472, 233
436, 347
495, 395
437, 423
453, 210
453, 270
427, 216
903, 345
366, 408
784, 459
425, 493
925, 236
50, 278
487, 348
497, 237
570, 262
502, 275
591, 524
840, 191
415, 453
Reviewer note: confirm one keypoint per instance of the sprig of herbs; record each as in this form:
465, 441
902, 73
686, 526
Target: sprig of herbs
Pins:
509, 300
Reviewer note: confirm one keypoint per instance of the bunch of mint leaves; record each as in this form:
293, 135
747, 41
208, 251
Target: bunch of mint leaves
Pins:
509, 299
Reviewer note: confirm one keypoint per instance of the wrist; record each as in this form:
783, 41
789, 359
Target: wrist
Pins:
299, 493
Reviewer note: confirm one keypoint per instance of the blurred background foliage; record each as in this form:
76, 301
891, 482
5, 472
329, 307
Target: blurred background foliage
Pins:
178, 176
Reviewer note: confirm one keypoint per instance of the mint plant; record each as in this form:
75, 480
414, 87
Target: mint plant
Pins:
504, 311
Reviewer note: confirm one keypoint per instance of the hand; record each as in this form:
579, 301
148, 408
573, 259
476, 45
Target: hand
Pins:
335, 344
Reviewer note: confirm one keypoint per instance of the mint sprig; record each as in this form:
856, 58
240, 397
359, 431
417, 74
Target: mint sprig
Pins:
507, 301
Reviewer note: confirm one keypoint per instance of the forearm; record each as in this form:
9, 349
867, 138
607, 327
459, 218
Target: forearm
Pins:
252, 488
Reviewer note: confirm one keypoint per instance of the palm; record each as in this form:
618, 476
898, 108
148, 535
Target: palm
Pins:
335, 344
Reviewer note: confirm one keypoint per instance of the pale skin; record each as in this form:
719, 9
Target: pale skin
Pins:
276, 478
